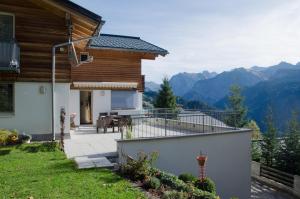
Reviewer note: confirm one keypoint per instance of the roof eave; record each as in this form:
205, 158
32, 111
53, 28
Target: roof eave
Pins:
162, 53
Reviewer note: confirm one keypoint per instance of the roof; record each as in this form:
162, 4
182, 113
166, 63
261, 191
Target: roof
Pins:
121, 42
80, 9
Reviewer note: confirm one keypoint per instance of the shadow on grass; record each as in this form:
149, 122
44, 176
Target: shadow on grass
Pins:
4, 152
34, 148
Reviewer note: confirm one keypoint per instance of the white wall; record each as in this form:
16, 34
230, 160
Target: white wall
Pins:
228, 158
74, 104
62, 95
33, 110
101, 100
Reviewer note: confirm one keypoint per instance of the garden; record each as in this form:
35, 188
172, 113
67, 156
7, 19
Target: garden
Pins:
166, 185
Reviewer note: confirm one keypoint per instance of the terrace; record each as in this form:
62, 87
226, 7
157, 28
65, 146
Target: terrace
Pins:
86, 143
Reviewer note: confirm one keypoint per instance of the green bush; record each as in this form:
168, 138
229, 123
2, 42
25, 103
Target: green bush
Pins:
206, 185
175, 195
139, 169
199, 194
8, 137
152, 183
187, 177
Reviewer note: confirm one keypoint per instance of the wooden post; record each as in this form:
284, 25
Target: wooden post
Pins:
62, 128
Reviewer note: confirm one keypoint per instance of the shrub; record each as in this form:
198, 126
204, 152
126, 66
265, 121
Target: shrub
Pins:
3, 137
206, 185
174, 195
8, 137
199, 194
152, 183
138, 169
187, 177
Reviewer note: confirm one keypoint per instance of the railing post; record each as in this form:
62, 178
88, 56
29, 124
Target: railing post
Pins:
165, 124
203, 123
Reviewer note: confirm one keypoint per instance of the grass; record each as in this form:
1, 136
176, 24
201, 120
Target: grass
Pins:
42, 171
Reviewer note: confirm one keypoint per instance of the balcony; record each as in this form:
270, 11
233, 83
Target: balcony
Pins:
9, 56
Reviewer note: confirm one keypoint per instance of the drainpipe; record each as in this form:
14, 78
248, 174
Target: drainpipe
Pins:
53, 75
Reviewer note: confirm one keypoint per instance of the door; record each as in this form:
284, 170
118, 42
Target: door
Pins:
86, 107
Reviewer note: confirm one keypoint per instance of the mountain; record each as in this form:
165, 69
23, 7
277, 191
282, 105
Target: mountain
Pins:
182, 82
281, 92
151, 86
213, 89
268, 72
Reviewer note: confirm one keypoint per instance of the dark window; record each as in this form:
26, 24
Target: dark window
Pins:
6, 27
123, 99
6, 98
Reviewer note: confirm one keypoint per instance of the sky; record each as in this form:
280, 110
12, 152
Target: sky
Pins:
213, 35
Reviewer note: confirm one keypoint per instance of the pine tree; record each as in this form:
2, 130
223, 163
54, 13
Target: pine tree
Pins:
289, 156
236, 106
269, 144
165, 97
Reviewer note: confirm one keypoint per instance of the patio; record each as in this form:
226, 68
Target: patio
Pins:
91, 149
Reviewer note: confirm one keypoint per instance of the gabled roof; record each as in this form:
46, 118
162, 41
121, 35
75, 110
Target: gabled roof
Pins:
129, 43
80, 9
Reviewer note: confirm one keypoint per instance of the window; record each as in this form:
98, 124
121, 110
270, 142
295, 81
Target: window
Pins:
123, 99
6, 98
6, 27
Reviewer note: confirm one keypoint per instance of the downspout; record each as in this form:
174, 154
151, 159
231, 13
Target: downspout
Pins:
53, 75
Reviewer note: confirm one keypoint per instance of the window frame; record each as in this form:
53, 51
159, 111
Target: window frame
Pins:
14, 21
13, 100
127, 108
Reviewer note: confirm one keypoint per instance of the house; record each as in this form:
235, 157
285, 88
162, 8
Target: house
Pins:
53, 56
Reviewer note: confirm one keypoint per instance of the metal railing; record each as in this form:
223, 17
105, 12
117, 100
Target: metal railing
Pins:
166, 122
9, 56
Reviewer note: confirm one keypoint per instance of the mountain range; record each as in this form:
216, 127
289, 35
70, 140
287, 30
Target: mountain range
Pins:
276, 86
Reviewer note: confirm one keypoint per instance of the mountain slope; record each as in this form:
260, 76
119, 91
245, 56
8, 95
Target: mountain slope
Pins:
182, 82
214, 89
151, 86
281, 93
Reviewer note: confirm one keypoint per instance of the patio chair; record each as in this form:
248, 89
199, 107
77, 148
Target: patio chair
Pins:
104, 123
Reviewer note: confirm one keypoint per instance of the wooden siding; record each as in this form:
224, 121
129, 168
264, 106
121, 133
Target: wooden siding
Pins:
39, 26
36, 31
110, 66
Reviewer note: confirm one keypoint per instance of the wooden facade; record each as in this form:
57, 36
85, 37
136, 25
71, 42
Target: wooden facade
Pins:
39, 24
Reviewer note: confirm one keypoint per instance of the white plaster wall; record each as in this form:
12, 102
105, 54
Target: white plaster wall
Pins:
74, 104
33, 110
101, 102
229, 163
62, 95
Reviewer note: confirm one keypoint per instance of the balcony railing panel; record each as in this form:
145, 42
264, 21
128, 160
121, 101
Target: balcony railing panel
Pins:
156, 123
9, 56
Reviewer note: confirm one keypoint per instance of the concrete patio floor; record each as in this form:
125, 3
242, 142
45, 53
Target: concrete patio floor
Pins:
91, 149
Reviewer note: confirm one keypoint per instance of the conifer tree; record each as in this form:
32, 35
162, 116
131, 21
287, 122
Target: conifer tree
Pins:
165, 97
289, 156
237, 107
269, 144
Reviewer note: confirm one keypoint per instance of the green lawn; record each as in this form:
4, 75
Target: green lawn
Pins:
42, 171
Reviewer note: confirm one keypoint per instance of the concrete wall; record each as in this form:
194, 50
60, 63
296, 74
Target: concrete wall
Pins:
228, 158
74, 104
33, 109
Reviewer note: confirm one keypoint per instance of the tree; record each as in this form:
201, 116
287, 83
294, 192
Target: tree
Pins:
165, 97
236, 106
289, 156
255, 144
256, 134
269, 144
